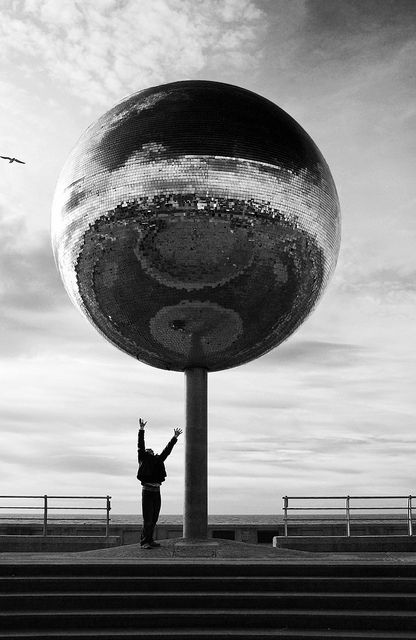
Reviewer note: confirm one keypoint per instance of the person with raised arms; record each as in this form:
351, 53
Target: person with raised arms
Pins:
151, 474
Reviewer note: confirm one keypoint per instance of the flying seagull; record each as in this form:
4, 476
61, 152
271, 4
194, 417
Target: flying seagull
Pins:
12, 159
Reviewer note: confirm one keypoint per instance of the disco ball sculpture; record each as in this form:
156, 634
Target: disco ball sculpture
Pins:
195, 224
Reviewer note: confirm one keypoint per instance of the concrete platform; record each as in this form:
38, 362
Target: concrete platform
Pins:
56, 544
344, 544
205, 550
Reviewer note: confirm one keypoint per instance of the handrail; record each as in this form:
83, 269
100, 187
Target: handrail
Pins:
347, 509
46, 507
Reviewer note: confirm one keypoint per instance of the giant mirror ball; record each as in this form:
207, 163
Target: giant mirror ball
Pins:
195, 224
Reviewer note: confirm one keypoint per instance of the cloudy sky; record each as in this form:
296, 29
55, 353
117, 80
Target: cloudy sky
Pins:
331, 411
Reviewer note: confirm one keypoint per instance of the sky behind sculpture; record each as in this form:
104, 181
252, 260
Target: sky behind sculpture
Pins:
330, 411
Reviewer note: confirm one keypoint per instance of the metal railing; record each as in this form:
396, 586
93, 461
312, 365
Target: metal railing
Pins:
46, 507
347, 517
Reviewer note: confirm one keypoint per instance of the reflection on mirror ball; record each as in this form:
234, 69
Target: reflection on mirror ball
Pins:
195, 224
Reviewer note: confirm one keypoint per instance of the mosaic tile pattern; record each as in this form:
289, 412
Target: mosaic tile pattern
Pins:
195, 224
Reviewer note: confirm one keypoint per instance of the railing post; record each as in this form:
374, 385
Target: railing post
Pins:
45, 515
347, 513
107, 523
409, 516
285, 506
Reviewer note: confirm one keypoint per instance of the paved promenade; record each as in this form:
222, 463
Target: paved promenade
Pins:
205, 550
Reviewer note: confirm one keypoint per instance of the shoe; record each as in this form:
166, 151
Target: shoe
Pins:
154, 544
146, 545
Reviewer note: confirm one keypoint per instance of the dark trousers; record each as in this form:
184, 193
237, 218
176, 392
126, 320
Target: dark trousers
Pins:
150, 509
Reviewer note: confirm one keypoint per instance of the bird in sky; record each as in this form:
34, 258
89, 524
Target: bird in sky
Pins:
12, 159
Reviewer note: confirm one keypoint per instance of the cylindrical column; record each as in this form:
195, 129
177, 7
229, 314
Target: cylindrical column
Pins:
195, 521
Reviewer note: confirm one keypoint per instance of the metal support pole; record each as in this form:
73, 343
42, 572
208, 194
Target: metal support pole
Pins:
409, 516
45, 515
285, 505
348, 514
195, 522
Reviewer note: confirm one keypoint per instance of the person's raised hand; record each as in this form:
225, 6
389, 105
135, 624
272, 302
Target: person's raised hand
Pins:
142, 423
177, 432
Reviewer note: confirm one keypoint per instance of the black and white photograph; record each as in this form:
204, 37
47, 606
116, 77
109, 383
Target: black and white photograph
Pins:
208, 319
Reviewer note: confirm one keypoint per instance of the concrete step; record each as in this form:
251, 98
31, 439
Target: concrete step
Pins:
212, 634
75, 601
155, 600
207, 568
162, 584
222, 619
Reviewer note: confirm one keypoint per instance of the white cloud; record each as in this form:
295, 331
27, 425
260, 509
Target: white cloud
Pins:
102, 51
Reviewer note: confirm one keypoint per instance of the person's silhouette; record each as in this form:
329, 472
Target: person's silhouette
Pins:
151, 474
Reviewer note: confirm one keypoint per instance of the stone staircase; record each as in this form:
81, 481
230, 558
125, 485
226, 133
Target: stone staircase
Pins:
207, 599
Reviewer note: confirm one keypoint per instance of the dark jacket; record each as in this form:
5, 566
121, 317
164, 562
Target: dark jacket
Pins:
151, 467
